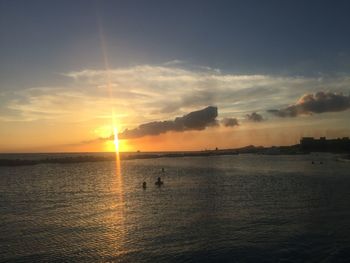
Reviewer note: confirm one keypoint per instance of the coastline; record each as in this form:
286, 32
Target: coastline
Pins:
274, 150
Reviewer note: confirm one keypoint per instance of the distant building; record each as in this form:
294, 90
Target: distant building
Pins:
323, 145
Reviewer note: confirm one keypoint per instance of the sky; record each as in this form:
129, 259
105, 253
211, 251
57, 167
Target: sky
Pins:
171, 75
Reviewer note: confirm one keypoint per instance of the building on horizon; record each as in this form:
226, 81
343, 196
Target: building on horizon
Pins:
325, 145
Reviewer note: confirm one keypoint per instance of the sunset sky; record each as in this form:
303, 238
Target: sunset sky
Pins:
171, 75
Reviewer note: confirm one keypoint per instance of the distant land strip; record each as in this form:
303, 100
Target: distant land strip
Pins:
274, 150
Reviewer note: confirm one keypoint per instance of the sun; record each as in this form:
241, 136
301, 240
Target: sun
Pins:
114, 144
116, 140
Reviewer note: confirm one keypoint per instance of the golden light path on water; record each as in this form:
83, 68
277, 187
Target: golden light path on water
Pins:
117, 154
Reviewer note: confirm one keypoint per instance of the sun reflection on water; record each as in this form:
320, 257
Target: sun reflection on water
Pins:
116, 219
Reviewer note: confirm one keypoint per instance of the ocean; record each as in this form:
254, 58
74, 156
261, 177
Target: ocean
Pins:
239, 208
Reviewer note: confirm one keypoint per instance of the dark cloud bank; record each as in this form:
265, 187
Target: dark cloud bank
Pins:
196, 120
319, 102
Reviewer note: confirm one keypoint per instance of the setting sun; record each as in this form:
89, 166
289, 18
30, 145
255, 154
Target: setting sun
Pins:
120, 146
116, 140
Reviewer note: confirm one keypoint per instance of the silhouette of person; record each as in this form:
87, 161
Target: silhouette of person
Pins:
158, 182
144, 185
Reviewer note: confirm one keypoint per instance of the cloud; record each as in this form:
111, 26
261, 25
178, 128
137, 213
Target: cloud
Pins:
196, 120
255, 117
230, 122
179, 88
174, 62
319, 102
142, 93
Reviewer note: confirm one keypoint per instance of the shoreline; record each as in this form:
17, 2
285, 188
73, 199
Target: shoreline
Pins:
274, 150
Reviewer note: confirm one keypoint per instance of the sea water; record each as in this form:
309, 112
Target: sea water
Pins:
240, 208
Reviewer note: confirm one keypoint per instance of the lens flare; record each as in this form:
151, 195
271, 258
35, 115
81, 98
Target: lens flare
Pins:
116, 140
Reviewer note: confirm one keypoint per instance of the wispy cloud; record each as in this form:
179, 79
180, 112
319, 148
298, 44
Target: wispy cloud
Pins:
147, 93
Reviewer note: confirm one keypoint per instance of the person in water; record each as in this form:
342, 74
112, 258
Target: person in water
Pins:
158, 182
144, 185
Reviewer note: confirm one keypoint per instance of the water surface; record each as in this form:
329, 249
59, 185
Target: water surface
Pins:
242, 208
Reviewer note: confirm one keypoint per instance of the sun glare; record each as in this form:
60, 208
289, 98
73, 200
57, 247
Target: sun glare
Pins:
116, 140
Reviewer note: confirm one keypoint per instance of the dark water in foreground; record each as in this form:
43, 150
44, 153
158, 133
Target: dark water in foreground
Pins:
244, 208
